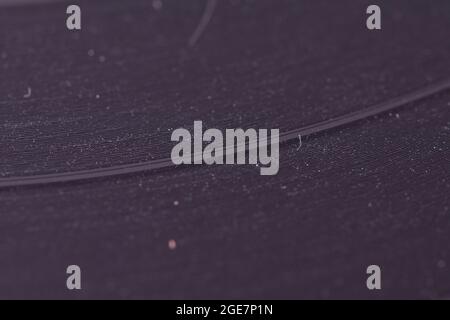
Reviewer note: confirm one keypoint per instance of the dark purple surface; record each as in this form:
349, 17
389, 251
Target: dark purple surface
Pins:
267, 63
375, 192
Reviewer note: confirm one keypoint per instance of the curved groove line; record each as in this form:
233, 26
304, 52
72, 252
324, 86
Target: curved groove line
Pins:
284, 137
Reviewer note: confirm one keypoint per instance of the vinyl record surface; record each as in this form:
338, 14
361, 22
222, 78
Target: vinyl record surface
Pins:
87, 116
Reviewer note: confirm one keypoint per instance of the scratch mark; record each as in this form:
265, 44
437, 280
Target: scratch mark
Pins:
204, 21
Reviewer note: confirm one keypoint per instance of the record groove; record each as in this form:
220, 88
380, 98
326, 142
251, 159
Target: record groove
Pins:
284, 137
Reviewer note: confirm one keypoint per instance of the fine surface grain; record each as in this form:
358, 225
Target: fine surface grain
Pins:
115, 91
373, 192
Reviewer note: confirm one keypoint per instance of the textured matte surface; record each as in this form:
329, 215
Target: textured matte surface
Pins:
264, 63
375, 192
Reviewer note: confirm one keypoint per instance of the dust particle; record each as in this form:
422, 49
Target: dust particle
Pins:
28, 94
172, 244
157, 4
441, 264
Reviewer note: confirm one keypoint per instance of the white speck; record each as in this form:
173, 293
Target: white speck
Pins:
102, 59
172, 244
397, 116
175, 203
157, 4
370, 205
441, 264
283, 187
97, 96
91, 52
28, 94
